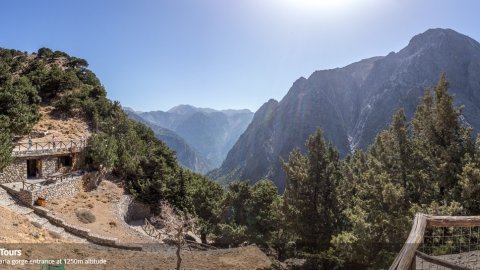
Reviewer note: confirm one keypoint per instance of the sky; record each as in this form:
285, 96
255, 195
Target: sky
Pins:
221, 54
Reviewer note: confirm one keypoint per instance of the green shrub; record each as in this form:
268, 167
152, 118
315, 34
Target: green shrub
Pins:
85, 215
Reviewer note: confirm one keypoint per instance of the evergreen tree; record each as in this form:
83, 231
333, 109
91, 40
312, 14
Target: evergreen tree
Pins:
377, 201
234, 204
470, 181
262, 213
439, 144
19, 103
311, 195
103, 151
5, 144
296, 186
206, 197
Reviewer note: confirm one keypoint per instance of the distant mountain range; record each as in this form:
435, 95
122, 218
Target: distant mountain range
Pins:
354, 103
186, 155
202, 137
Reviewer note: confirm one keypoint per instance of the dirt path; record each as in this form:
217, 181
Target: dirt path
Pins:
246, 258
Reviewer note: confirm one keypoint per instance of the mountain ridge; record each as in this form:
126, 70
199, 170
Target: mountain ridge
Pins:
210, 133
353, 103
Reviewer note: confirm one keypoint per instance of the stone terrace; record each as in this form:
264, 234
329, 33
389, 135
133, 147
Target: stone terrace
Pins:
62, 186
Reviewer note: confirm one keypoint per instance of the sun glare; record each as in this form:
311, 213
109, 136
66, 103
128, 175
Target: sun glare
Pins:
320, 5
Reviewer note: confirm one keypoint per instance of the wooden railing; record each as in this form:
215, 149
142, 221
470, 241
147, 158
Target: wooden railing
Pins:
152, 231
30, 186
406, 257
157, 234
48, 145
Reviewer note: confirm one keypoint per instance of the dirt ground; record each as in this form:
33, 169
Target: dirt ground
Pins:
102, 202
64, 130
15, 228
246, 258
17, 233
470, 260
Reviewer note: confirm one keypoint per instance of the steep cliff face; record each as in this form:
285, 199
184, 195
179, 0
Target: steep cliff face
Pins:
352, 104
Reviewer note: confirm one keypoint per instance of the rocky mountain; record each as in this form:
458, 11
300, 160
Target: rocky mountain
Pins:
352, 104
186, 155
210, 132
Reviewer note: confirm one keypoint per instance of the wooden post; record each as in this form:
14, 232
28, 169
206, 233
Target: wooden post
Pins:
414, 263
404, 259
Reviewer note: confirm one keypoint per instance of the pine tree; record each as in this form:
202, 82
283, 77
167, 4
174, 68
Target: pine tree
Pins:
19, 103
470, 181
392, 150
262, 217
439, 144
5, 144
206, 197
377, 200
311, 194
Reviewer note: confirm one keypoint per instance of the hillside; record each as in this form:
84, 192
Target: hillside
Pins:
210, 132
354, 103
16, 229
51, 93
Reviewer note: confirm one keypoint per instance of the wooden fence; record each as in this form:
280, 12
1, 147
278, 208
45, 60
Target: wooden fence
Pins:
30, 186
152, 231
36, 146
406, 259
160, 235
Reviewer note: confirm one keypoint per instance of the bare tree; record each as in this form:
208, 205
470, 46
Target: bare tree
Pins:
175, 226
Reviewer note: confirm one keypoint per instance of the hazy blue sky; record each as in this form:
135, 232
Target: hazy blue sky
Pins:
153, 55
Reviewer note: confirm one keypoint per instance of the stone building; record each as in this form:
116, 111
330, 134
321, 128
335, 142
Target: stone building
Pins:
42, 160
46, 171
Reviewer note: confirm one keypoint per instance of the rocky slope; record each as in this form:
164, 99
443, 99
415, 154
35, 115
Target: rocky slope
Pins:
352, 104
210, 132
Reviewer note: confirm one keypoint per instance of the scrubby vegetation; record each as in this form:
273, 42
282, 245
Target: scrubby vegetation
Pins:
351, 213
85, 215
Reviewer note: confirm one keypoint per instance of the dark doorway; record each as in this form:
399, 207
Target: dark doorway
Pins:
65, 161
33, 168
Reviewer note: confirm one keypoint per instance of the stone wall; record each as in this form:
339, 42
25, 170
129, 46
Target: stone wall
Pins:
78, 160
26, 197
65, 189
129, 209
83, 232
49, 165
15, 172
